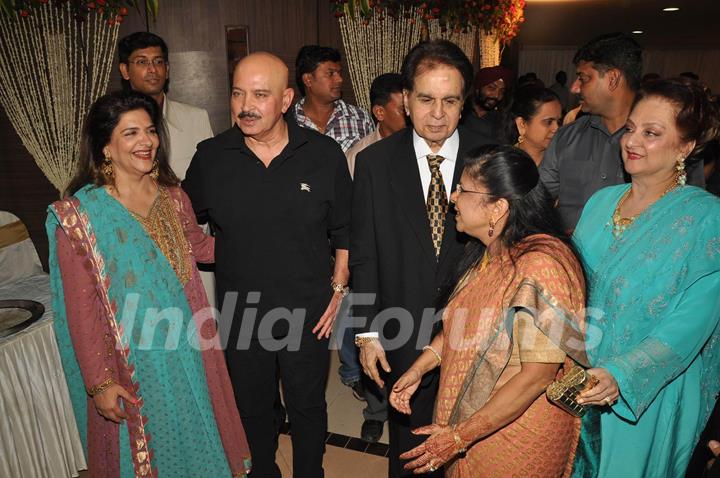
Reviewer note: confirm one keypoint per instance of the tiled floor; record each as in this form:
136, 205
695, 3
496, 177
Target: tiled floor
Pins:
338, 462
344, 418
344, 411
344, 422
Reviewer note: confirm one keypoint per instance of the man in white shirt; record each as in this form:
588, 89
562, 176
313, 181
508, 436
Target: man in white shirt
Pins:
144, 66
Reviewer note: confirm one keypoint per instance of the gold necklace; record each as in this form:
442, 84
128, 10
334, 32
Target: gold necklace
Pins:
485, 261
620, 223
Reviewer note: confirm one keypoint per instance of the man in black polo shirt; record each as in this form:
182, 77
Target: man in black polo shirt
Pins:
279, 198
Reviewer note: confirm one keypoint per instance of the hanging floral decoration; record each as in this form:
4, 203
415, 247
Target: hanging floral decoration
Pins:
110, 11
499, 17
56, 57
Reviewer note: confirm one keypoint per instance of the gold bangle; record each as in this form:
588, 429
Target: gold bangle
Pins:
437, 355
101, 387
458, 441
360, 341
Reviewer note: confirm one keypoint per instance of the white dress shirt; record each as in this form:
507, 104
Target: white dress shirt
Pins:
449, 151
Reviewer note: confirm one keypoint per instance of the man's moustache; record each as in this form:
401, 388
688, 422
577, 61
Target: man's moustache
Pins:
248, 114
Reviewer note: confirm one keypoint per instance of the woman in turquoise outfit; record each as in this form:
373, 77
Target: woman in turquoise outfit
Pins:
651, 251
147, 377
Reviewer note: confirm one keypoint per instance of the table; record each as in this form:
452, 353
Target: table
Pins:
38, 433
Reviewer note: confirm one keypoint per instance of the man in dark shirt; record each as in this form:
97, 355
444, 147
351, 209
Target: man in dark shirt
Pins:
584, 156
484, 117
279, 198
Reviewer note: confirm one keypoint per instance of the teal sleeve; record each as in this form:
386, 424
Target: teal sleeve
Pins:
641, 373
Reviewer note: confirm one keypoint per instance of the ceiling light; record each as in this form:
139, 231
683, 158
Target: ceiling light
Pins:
671, 9
637, 32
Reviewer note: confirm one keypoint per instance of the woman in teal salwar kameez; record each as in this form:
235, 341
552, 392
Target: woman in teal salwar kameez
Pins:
147, 377
651, 251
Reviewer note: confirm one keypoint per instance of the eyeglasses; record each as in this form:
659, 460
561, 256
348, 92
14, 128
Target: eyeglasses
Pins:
144, 62
459, 189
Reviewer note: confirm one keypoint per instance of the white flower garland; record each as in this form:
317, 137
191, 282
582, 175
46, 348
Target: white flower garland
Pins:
465, 40
377, 47
489, 50
53, 68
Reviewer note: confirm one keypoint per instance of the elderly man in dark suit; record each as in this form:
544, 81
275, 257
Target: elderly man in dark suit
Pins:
403, 242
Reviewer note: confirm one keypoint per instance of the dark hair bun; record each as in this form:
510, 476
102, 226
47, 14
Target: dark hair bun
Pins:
698, 117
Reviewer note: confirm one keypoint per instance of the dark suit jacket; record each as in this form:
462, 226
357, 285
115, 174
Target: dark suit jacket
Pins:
391, 251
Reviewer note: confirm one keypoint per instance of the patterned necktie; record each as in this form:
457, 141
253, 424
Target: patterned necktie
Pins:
437, 202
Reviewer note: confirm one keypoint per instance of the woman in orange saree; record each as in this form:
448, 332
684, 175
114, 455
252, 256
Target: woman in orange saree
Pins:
512, 324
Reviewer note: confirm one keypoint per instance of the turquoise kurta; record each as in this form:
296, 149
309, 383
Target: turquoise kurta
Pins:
161, 338
653, 311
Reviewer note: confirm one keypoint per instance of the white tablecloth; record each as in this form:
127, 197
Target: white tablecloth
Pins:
38, 433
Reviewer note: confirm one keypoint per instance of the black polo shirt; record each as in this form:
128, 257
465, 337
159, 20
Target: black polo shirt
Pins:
275, 227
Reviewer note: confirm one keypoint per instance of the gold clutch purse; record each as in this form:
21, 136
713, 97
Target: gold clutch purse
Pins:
564, 392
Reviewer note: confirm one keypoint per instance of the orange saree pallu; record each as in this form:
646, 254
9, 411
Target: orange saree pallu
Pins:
528, 308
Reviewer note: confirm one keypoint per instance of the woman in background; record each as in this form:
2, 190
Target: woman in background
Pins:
532, 119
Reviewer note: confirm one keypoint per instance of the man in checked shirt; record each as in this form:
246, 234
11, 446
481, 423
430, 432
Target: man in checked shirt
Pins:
318, 75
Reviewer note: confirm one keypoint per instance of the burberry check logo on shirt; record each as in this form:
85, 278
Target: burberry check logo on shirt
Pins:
437, 202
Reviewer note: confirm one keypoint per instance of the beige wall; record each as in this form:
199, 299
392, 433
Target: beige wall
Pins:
195, 34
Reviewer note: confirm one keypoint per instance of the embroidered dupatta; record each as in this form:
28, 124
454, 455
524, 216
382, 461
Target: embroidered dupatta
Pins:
132, 276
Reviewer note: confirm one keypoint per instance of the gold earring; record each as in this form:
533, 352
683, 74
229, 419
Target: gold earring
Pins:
107, 170
520, 140
491, 231
155, 171
680, 168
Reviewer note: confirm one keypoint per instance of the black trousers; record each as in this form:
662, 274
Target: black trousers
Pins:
400, 425
255, 374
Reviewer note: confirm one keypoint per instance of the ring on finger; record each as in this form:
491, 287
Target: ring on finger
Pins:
608, 401
432, 467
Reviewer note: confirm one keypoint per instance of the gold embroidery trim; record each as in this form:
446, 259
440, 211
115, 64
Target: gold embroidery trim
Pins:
78, 225
164, 227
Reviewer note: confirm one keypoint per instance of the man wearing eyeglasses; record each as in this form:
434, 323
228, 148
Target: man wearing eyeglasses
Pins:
145, 68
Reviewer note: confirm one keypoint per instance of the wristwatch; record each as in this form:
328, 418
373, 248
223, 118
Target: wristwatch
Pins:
360, 340
343, 289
